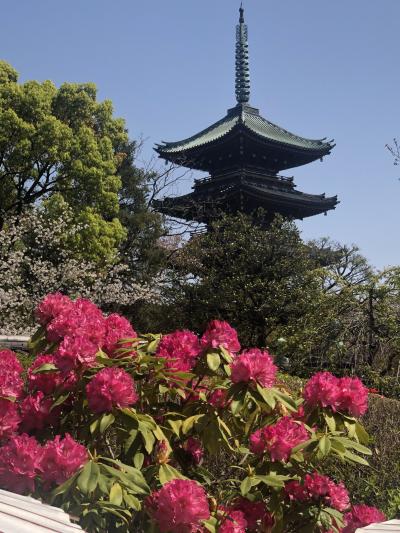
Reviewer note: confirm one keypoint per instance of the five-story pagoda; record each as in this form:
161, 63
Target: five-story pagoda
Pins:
243, 154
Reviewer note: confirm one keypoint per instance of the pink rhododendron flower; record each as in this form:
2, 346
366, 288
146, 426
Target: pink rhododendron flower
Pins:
194, 448
254, 365
340, 394
233, 521
20, 463
61, 459
52, 306
219, 398
320, 488
110, 388
48, 382
117, 328
256, 514
322, 390
353, 396
9, 362
360, 516
84, 319
9, 419
36, 413
180, 350
75, 352
219, 333
296, 492
339, 497
179, 506
279, 439
11, 384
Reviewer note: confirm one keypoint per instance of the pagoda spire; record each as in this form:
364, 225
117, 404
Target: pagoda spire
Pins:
242, 77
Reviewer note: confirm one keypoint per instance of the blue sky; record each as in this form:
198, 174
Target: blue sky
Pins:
318, 68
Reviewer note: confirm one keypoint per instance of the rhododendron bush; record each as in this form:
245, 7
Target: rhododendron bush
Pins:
122, 430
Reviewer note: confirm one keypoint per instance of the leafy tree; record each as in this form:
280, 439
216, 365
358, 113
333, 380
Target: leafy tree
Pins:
257, 278
37, 256
61, 140
144, 226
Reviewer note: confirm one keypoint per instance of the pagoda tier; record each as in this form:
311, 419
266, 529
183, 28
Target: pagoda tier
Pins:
245, 191
244, 137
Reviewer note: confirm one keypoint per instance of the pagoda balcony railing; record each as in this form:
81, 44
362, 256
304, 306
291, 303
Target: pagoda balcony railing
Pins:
282, 179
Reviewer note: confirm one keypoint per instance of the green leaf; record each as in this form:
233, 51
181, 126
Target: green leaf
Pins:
267, 395
189, 423
273, 480
106, 421
167, 473
116, 494
176, 426
131, 501
61, 489
360, 448
330, 421
94, 426
138, 460
148, 438
46, 367
324, 445
130, 440
211, 524
361, 434
84, 480
213, 361
60, 400
245, 486
286, 400
226, 355
355, 458
303, 445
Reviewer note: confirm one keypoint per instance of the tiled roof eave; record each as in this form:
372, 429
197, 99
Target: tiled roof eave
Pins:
180, 149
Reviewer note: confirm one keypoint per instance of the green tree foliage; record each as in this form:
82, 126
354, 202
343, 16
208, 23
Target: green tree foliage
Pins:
144, 226
256, 278
61, 140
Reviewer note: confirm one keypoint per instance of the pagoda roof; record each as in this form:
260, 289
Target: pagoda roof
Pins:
245, 193
249, 118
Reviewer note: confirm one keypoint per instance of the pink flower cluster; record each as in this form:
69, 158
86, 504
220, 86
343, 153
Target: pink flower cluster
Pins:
347, 395
36, 412
254, 365
361, 516
179, 506
11, 384
194, 449
117, 328
279, 439
109, 389
81, 330
255, 513
11, 388
61, 459
232, 521
49, 382
319, 488
219, 398
180, 350
219, 333
22, 460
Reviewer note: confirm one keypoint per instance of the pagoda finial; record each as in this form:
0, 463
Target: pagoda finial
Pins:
242, 77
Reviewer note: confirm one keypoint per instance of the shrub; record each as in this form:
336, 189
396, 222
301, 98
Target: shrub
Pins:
119, 429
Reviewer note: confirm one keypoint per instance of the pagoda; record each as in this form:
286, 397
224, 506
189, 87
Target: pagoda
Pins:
243, 154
